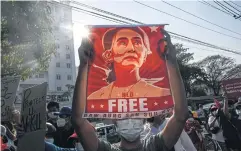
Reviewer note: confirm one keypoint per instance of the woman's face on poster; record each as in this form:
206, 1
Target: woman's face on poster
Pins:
128, 49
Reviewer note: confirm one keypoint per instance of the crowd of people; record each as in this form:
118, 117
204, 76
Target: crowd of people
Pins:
67, 130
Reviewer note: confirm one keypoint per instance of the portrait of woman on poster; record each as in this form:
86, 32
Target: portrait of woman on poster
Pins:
126, 50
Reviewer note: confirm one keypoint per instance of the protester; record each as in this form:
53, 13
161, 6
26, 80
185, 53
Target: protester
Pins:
215, 127
64, 127
158, 123
192, 128
130, 129
52, 108
50, 130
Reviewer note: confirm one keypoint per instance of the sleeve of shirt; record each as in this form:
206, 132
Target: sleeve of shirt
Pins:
155, 143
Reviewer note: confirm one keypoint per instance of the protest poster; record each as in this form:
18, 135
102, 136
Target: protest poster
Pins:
33, 111
9, 86
128, 77
232, 87
33, 118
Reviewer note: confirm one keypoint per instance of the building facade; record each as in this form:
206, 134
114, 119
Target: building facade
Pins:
62, 70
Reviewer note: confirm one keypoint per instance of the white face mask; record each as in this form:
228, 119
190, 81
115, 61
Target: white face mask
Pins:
130, 129
61, 122
49, 140
79, 147
52, 116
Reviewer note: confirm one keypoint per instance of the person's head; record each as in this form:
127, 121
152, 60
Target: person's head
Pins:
64, 117
129, 129
200, 106
52, 108
214, 110
50, 130
126, 48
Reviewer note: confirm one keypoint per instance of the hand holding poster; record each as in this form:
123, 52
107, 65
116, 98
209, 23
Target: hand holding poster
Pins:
9, 87
33, 118
128, 77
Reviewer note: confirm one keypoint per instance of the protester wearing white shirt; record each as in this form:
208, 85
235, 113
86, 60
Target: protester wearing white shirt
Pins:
184, 143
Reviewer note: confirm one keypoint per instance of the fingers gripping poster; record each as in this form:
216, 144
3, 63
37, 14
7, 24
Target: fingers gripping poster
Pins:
128, 76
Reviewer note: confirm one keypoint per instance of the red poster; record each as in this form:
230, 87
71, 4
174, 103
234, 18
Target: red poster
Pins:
232, 87
128, 78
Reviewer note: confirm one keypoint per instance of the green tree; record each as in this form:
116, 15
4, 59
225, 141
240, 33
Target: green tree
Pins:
27, 42
189, 72
216, 67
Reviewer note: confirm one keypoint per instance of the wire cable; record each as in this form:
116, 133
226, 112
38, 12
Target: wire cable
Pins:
232, 6
226, 8
173, 35
235, 4
200, 18
208, 4
187, 21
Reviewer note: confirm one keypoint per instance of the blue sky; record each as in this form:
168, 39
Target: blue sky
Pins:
141, 13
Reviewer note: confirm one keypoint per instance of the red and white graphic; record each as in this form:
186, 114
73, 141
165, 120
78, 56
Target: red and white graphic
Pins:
128, 76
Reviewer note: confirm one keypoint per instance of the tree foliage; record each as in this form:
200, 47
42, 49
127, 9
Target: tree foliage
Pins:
216, 67
189, 72
27, 41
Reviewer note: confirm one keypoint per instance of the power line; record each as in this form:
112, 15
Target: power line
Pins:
235, 4
226, 8
187, 20
173, 35
232, 6
208, 4
200, 18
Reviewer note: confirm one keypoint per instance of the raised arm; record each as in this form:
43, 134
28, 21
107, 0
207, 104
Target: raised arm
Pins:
175, 125
83, 128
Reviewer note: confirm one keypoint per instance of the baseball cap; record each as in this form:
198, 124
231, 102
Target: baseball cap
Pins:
65, 111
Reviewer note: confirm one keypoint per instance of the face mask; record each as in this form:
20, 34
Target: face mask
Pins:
78, 147
214, 113
52, 116
61, 122
130, 129
49, 140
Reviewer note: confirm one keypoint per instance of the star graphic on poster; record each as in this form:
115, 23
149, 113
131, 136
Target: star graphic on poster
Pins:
101, 105
92, 106
153, 28
165, 102
155, 103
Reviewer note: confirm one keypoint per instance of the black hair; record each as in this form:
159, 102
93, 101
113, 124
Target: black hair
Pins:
53, 104
150, 120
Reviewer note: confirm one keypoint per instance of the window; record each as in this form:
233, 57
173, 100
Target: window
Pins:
57, 46
30, 77
41, 75
67, 47
59, 88
69, 77
57, 64
57, 55
67, 56
58, 77
68, 65
36, 76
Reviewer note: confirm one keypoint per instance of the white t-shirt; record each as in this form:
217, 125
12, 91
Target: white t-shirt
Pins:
184, 143
219, 136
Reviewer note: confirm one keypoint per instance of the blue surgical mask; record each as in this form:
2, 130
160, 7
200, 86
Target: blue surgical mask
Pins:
130, 129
